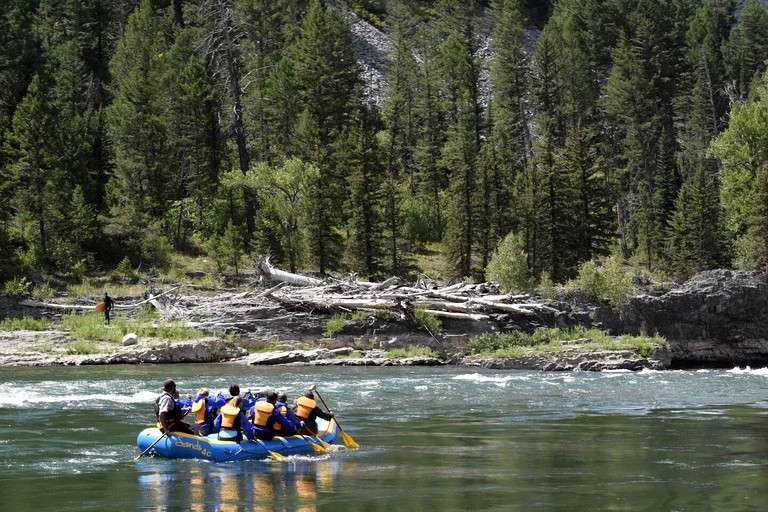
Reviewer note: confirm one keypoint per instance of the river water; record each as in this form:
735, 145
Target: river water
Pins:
432, 439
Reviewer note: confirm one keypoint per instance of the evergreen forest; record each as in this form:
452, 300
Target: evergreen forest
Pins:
542, 135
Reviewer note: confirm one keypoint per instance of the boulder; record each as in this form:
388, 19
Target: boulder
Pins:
130, 339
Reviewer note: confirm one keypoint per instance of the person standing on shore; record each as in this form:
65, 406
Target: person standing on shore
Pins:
108, 303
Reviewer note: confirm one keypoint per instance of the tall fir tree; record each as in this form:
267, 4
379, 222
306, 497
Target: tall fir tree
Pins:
326, 84
694, 236
33, 146
747, 48
363, 206
191, 116
138, 130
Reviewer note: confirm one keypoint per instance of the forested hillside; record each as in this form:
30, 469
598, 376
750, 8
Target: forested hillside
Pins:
511, 133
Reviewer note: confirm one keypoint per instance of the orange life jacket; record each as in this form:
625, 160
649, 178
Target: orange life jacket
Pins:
229, 414
284, 411
199, 409
304, 407
263, 413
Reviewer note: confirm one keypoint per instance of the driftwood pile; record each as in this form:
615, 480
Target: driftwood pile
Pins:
295, 292
461, 300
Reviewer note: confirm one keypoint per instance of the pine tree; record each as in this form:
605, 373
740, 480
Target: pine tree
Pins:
431, 135
459, 155
190, 113
137, 128
635, 110
268, 27
222, 37
747, 47
399, 112
363, 206
324, 70
506, 153
694, 239
32, 144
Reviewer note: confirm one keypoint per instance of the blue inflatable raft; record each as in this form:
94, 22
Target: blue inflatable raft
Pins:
177, 445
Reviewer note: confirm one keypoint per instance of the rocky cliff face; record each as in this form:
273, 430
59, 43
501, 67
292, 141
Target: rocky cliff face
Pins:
717, 318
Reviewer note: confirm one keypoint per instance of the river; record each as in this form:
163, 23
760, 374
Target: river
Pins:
432, 439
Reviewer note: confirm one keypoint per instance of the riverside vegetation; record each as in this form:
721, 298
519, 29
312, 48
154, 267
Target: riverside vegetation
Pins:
88, 334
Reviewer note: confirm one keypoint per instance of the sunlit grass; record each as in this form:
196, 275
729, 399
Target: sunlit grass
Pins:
400, 353
91, 327
25, 323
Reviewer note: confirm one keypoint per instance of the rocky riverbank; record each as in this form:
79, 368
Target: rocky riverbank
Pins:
56, 348
716, 319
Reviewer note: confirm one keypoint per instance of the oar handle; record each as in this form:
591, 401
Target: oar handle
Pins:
151, 446
314, 388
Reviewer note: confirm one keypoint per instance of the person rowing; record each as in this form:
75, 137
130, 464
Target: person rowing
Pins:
308, 411
204, 408
169, 413
267, 417
231, 423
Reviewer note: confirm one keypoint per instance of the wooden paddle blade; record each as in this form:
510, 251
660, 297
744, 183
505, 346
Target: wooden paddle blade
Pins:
348, 441
323, 443
277, 456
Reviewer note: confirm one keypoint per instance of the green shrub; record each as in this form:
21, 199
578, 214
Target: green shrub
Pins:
608, 282
426, 320
43, 291
516, 343
25, 323
509, 265
387, 316
18, 286
335, 325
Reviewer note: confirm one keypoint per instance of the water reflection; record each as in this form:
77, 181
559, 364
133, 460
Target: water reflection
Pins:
253, 486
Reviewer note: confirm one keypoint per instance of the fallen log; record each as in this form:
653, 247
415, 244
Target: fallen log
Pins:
265, 268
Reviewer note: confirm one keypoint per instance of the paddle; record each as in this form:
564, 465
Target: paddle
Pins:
272, 454
324, 446
151, 446
315, 447
348, 441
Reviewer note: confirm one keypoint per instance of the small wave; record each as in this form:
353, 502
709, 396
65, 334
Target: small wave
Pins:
476, 377
738, 370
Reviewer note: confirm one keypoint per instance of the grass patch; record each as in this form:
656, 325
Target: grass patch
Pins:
82, 348
400, 353
45, 348
550, 340
91, 327
387, 316
25, 323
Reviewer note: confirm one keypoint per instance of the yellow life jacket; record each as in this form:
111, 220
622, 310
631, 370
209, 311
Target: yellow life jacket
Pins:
284, 411
199, 409
263, 412
304, 407
229, 414
232, 401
